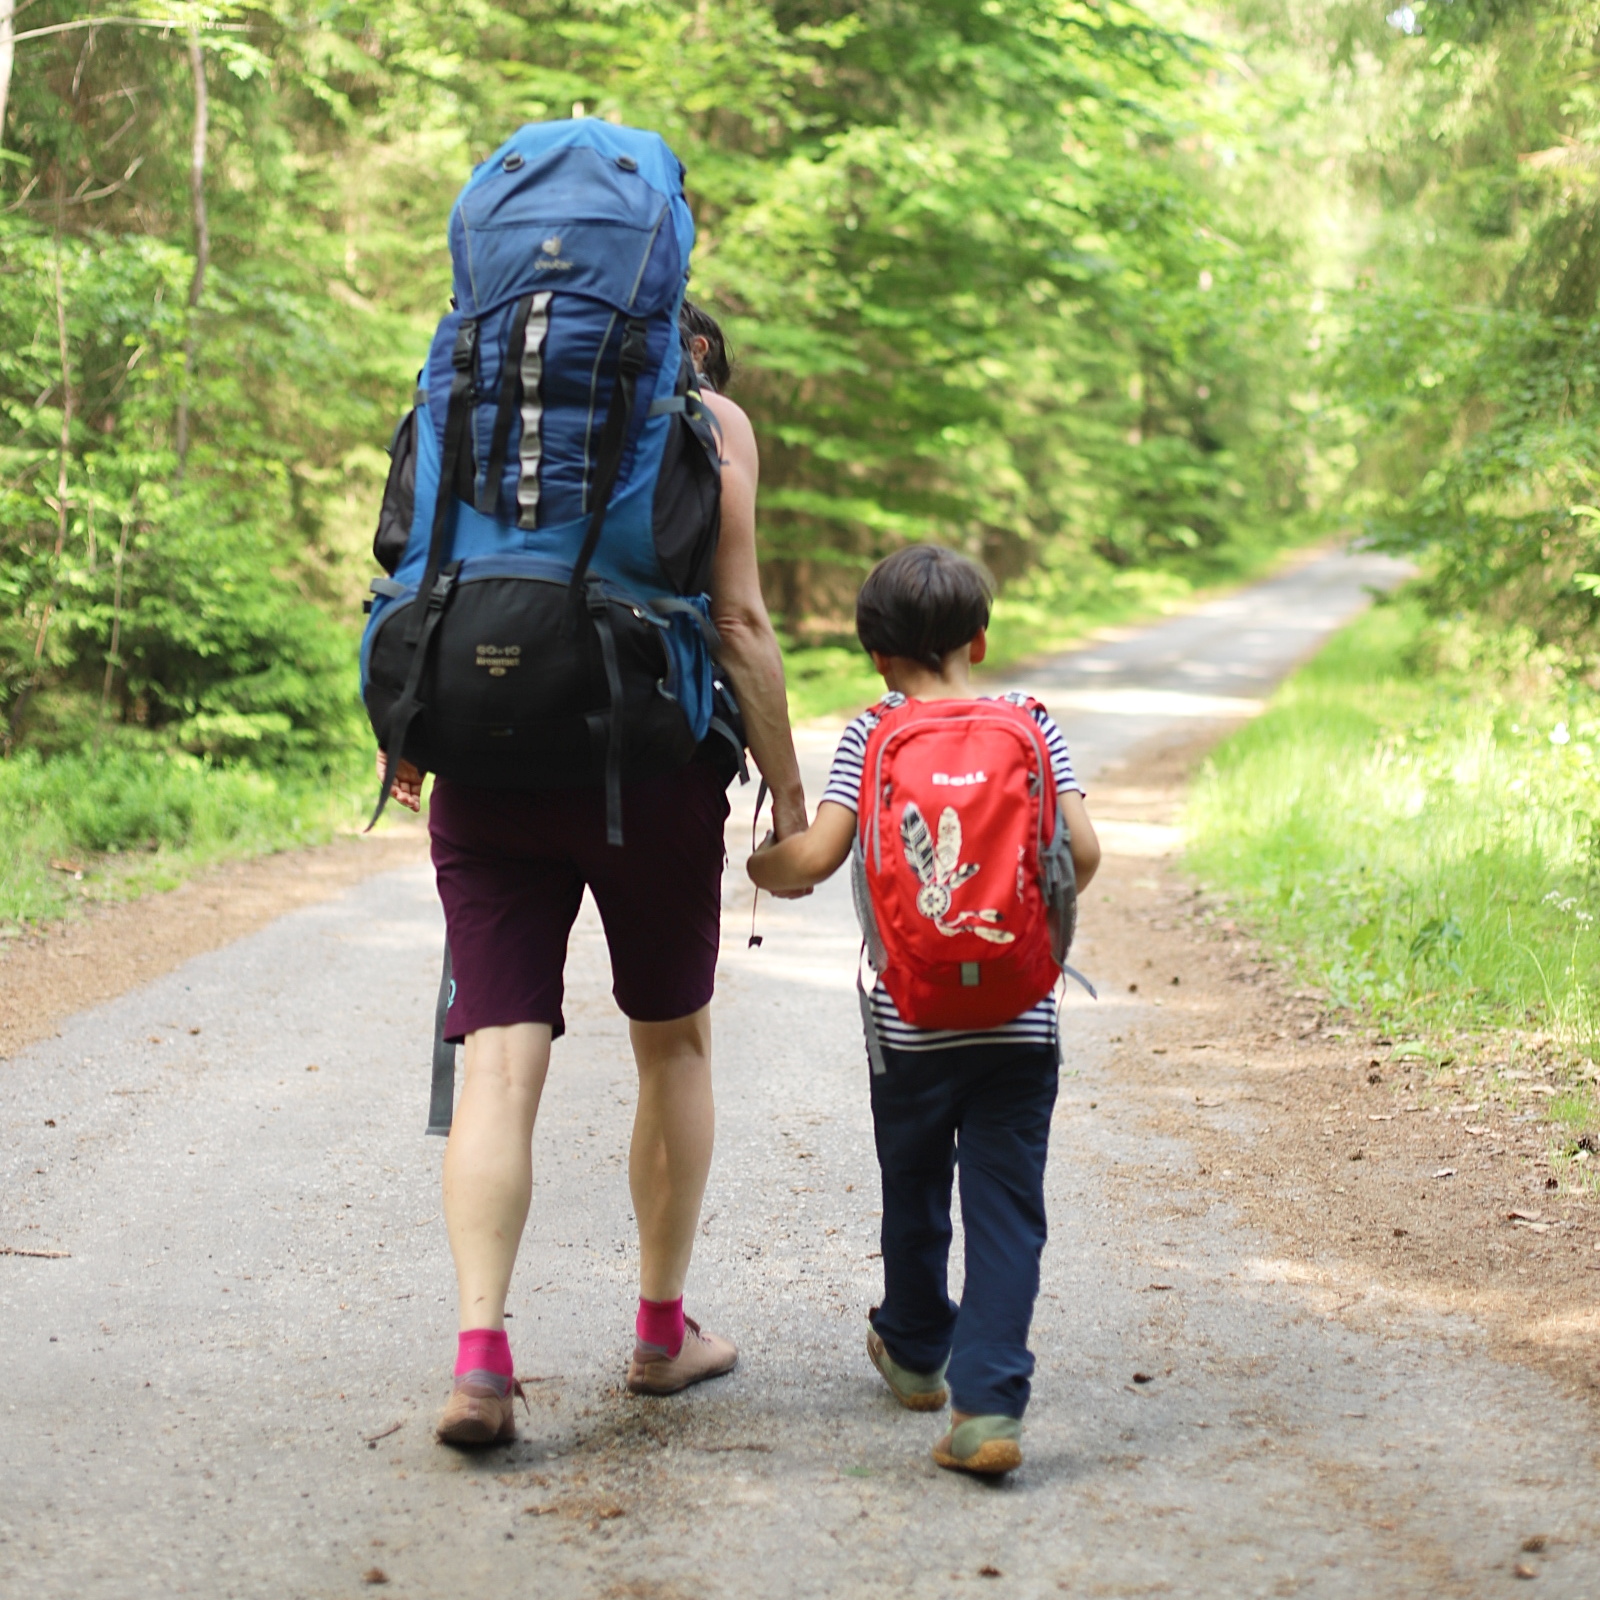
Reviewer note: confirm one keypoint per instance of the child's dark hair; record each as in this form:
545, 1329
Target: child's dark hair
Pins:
694, 322
921, 603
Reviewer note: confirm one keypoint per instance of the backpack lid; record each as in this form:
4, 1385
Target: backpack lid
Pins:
577, 207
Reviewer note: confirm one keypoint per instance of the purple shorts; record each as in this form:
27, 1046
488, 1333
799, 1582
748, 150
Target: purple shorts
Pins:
512, 865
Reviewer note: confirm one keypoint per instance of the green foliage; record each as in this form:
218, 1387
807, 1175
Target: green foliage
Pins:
995, 274
1417, 816
1463, 327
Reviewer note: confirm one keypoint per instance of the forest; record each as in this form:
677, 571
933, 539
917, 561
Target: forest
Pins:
1123, 299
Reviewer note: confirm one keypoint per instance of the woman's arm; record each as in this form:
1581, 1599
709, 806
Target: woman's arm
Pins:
803, 860
750, 653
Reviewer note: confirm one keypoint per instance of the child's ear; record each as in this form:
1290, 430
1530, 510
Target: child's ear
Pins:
979, 647
881, 664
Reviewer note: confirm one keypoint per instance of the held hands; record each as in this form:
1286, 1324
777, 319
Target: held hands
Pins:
788, 822
407, 786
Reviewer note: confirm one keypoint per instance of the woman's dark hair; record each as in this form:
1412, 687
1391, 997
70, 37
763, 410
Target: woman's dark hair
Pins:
921, 603
692, 323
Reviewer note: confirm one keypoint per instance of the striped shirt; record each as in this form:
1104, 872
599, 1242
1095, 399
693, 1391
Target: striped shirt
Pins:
1036, 1025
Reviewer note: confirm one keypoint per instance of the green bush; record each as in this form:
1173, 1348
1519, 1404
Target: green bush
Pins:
166, 812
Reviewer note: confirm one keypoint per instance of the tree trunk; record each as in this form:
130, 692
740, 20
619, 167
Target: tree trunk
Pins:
202, 234
20, 704
112, 660
8, 50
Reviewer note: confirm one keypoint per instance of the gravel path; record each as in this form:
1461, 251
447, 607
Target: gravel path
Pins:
227, 1386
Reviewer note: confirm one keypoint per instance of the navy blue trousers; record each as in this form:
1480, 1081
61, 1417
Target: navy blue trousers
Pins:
985, 1108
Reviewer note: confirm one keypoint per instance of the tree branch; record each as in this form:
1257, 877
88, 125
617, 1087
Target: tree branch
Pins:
170, 25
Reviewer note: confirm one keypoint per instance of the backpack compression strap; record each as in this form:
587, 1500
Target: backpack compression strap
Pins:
587, 593
613, 441
433, 593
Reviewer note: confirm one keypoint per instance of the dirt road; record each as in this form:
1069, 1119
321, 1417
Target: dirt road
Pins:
225, 1382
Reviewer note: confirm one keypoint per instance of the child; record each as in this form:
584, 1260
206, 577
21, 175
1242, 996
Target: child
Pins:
989, 1093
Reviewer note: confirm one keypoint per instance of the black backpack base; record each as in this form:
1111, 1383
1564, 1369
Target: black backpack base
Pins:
526, 717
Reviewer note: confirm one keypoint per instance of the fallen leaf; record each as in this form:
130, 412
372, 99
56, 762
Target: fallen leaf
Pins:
1524, 1216
49, 1122
1534, 1543
1445, 1172
1380, 1116
1399, 1233
1524, 1570
374, 1575
1357, 1155
1141, 1377
986, 1571
1207, 1104
1156, 1288
313, 1069
194, 1030
66, 866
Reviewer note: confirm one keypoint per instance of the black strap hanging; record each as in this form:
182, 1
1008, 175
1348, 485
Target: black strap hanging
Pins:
600, 614
488, 500
613, 442
457, 425
433, 593
442, 1102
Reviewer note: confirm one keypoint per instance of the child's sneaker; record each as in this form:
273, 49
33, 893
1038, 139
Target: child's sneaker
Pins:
916, 1391
989, 1445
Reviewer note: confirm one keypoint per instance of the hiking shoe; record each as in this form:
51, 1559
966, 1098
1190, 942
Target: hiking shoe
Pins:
481, 1411
916, 1391
987, 1445
702, 1356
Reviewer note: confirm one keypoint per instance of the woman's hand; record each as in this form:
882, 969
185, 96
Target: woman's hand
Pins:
407, 786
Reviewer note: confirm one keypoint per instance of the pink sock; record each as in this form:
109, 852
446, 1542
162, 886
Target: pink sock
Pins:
660, 1323
485, 1353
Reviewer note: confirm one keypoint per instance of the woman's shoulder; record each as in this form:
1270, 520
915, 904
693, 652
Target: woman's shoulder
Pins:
731, 416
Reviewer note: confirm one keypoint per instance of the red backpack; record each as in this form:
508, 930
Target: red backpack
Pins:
962, 868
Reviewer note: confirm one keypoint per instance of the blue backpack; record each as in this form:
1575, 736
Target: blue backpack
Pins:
553, 499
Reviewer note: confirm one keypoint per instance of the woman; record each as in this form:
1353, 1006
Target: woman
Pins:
512, 867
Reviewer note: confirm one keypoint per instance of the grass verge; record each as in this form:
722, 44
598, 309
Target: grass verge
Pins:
1415, 823
81, 828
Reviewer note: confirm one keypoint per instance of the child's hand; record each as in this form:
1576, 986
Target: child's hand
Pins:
407, 786
754, 866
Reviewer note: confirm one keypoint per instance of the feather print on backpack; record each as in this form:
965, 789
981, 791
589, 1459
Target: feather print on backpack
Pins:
940, 874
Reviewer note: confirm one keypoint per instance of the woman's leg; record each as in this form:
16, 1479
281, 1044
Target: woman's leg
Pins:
673, 1130
488, 1163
